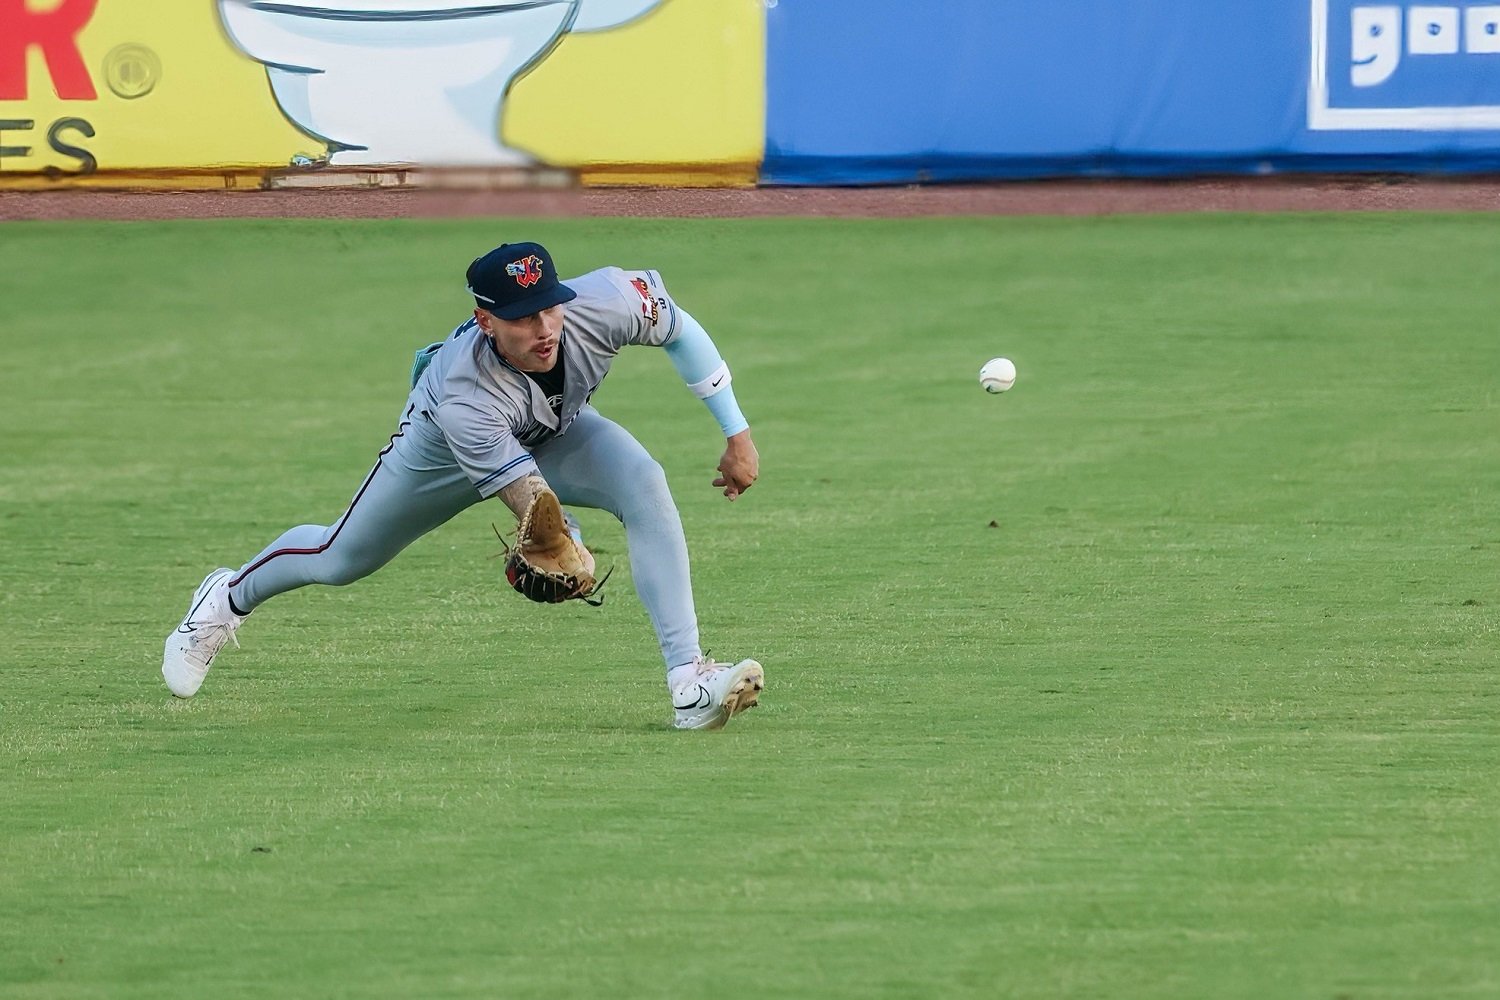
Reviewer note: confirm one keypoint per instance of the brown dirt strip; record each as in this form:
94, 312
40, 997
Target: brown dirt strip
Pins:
1054, 197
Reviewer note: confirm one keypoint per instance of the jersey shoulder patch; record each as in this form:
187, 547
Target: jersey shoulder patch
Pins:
643, 294
658, 313
650, 310
634, 307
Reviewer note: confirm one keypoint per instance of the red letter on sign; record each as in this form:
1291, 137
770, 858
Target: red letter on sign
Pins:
55, 33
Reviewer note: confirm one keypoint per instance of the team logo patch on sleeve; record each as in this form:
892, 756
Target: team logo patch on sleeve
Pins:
527, 271
649, 307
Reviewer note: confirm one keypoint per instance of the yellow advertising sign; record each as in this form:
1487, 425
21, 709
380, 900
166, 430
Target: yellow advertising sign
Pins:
91, 85
617, 88
683, 89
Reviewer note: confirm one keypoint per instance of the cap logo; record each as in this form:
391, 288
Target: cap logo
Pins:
527, 271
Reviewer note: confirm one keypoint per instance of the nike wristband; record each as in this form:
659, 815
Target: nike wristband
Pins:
716, 380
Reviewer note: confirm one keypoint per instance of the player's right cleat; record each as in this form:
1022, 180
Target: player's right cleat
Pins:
717, 693
209, 623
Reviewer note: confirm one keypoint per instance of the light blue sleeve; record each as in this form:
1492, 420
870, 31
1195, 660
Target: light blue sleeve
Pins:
701, 366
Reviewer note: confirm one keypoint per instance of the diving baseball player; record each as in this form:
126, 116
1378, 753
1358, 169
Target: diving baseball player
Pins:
501, 409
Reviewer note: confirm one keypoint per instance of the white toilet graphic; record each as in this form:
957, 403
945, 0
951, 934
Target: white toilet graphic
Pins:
408, 81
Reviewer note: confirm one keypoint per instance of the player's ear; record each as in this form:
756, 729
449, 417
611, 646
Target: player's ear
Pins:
482, 319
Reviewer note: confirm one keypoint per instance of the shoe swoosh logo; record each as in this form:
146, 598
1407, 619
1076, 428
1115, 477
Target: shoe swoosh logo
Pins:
188, 627
701, 701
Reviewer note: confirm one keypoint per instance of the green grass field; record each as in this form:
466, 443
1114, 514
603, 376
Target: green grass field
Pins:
1171, 673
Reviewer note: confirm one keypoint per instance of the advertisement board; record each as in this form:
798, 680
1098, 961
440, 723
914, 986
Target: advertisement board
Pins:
615, 89
877, 91
247, 92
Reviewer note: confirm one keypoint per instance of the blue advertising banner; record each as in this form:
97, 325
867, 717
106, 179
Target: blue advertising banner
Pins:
881, 91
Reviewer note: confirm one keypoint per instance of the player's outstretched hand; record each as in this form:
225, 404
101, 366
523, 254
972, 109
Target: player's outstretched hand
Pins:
740, 466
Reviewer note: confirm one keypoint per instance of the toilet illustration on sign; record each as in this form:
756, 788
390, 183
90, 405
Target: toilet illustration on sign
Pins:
408, 81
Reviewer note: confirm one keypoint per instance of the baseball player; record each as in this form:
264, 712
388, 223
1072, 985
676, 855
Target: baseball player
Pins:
501, 409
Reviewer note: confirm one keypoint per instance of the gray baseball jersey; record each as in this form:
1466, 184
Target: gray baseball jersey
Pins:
491, 415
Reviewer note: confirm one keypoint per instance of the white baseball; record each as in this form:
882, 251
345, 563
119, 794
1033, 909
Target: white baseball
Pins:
997, 375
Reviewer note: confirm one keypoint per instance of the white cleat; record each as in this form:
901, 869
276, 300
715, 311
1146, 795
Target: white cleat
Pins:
208, 624
717, 693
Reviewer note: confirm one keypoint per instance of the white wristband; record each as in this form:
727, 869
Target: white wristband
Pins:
716, 380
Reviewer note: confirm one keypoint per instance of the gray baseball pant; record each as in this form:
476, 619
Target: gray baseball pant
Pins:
417, 485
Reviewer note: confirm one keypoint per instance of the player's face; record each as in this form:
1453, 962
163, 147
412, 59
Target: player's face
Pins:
529, 343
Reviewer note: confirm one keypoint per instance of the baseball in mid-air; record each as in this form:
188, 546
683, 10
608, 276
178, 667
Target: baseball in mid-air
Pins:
997, 375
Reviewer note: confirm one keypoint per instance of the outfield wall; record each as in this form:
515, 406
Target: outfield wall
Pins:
1098, 87
731, 92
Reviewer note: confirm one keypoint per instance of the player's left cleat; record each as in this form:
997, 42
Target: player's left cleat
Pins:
717, 693
209, 623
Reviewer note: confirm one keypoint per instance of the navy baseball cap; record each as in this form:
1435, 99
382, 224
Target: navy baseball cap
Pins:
515, 280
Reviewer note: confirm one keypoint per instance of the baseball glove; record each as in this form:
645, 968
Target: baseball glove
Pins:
545, 564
